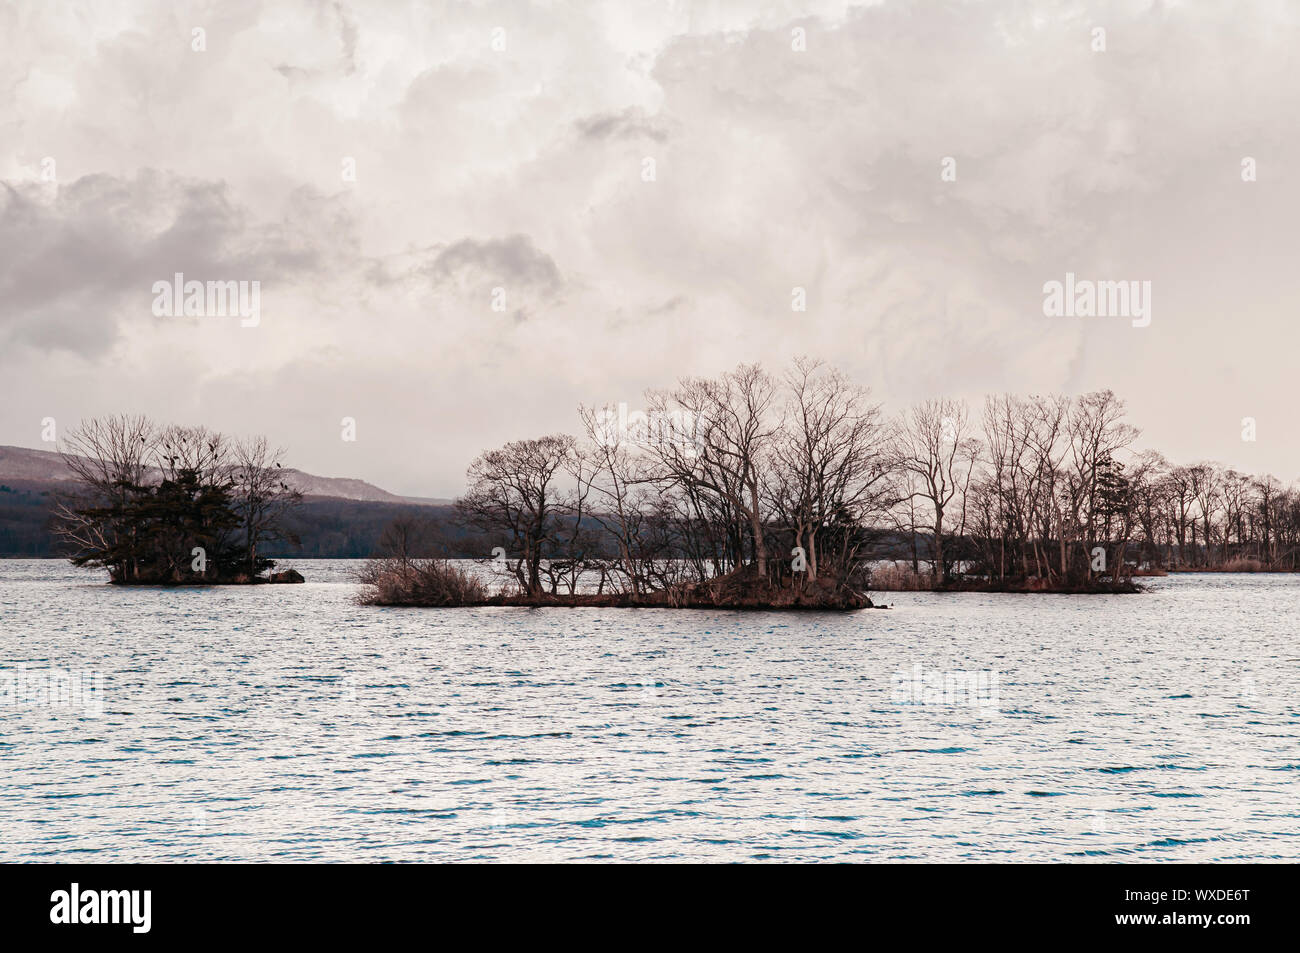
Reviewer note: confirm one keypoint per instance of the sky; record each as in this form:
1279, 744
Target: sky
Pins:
466, 219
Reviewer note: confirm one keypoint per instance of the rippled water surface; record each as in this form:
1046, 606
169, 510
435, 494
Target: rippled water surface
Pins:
285, 723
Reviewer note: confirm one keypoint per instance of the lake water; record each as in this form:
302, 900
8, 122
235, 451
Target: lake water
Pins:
285, 723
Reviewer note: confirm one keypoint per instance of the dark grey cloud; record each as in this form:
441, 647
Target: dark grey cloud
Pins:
82, 257
630, 123
510, 261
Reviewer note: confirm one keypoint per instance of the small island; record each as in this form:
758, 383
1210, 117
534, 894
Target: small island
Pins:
172, 506
754, 491
434, 582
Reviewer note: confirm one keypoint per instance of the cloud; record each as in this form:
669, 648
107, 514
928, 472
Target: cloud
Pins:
521, 167
630, 123
513, 260
83, 256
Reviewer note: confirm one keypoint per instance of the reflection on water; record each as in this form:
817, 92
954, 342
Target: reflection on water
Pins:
285, 723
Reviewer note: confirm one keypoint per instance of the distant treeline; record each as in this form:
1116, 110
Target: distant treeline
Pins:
353, 529
25, 521
319, 528
322, 528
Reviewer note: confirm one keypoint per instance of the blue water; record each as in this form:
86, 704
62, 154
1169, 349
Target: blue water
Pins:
286, 723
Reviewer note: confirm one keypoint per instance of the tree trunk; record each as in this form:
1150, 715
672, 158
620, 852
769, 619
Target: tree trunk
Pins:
937, 570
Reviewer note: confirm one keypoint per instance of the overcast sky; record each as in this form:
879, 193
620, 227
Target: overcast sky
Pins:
523, 169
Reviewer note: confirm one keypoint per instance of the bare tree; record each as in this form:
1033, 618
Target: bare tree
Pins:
1097, 433
830, 462
263, 498
513, 492
733, 425
1205, 485
613, 472
110, 458
928, 445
